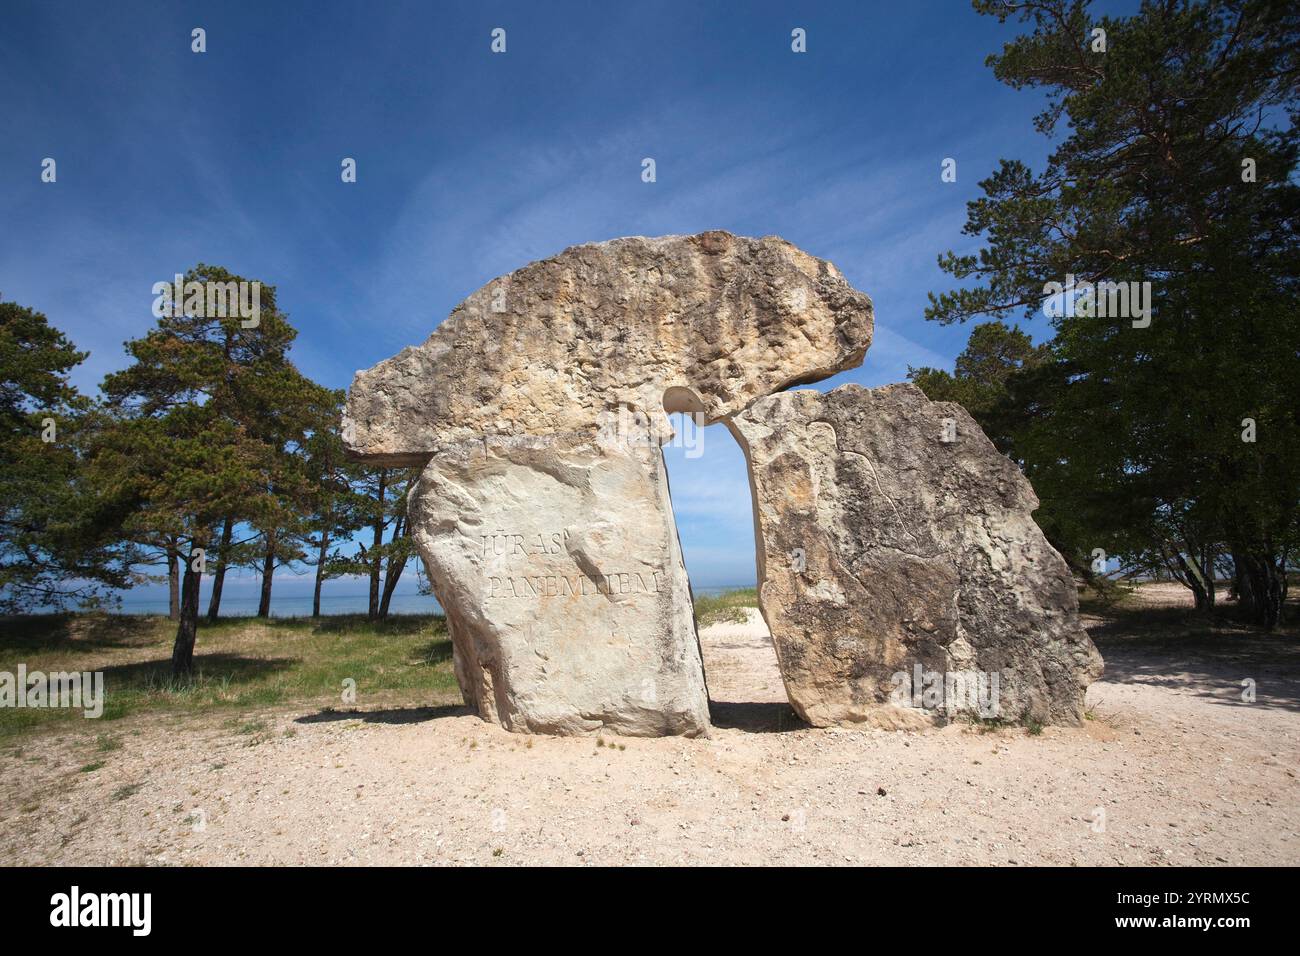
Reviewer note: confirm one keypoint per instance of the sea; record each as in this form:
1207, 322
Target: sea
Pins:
299, 605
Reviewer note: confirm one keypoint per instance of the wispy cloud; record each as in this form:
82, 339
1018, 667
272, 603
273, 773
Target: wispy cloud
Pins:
472, 166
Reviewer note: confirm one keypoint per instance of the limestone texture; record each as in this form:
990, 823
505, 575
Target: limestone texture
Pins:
538, 409
708, 323
559, 568
896, 546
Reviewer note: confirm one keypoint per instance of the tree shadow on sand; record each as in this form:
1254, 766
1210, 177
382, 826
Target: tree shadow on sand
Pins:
1209, 657
386, 715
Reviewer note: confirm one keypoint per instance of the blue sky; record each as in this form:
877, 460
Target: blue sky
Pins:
471, 164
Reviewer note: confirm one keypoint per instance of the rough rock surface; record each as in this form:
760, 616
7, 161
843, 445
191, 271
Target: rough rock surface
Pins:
543, 514
708, 322
560, 571
544, 520
895, 542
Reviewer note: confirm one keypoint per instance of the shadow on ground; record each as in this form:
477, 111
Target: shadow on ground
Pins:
387, 715
80, 633
396, 624
216, 667
1211, 656
755, 718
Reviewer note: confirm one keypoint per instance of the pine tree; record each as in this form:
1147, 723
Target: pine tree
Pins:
58, 546
385, 547
336, 511
181, 449
1176, 167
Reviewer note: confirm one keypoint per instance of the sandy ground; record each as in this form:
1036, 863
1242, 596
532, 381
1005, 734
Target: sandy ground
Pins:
1174, 769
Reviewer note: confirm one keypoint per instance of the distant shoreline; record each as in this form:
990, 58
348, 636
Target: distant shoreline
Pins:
338, 605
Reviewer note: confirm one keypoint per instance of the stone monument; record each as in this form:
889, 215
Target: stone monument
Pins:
544, 519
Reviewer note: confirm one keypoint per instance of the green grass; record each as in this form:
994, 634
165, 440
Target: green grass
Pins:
727, 606
1105, 596
240, 663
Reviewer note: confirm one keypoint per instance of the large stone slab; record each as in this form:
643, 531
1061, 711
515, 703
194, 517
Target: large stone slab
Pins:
710, 322
558, 564
896, 543
544, 521
542, 514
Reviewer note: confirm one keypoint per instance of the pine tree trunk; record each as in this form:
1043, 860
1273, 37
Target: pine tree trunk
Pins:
390, 585
320, 572
1242, 585
393, 572
219, 575
268, 574
187, 629
1265, 582
1192, 577
1262, 587
376, 551
173, 584
1199, 597
1276, 596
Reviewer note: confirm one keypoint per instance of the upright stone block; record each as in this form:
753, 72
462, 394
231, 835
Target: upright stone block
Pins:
896, 543
559, 568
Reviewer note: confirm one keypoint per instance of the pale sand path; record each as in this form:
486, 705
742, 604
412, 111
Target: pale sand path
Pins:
1185, 772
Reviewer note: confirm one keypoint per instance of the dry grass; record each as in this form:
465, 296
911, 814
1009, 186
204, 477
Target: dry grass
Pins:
240, 663
727, 606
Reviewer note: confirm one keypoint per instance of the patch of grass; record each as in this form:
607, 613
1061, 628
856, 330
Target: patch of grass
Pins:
727, 606
983, 725
240, 663
106, 744
1105, 594
91, 767
130, 790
